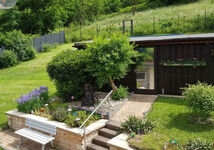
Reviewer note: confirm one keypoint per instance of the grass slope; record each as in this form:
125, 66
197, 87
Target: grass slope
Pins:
143, 21
23, 78
171, 118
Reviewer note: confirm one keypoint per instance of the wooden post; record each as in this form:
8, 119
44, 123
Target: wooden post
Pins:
205, 19
124, 26
154, 24
178, 22
132, 27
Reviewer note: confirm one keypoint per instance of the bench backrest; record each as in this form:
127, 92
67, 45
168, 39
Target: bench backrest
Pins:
35, 124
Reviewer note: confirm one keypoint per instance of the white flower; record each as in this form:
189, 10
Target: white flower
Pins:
46, 105
78, 119
69, 109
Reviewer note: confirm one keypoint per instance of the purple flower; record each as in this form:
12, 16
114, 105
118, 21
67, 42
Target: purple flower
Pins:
91, 108
33, 95
69, 106
72, 97
83, 107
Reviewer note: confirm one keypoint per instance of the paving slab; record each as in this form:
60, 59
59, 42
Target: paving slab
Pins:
137, 105
10, 141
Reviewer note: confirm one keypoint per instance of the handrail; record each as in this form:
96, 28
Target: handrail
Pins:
96, 109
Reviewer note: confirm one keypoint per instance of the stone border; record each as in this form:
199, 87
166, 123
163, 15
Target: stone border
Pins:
119, 143
66, 138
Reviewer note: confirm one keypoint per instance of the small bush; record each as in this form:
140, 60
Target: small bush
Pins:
7, 59
33, 101
60, 114
199, 144
200, 100
77, 118
120, 93
47, 47
19, 43
67, 70
137, 126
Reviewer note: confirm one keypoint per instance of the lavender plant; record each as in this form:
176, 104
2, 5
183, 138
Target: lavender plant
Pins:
33, 100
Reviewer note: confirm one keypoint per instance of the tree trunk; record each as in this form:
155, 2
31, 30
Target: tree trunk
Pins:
133, 10
112, 84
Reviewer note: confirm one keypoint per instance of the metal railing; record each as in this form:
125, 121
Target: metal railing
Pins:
96, 109
83, 125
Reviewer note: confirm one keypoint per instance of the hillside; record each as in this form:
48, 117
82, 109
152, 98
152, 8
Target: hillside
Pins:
23, 78
196, 17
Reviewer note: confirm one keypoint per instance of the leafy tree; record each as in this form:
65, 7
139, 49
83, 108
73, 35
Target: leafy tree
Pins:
109, 59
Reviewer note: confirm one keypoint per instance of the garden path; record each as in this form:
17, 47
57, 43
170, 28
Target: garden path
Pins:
137, 105
10, 141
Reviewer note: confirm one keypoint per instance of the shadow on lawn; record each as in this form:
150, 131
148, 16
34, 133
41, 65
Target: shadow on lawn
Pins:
182, 121
4, 126
171, 100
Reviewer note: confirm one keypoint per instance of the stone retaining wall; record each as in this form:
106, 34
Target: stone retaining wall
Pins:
66, 138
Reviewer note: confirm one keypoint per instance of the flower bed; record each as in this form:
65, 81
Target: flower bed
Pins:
194, 62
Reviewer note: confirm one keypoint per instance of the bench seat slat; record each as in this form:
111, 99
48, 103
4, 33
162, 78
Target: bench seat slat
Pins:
35, 136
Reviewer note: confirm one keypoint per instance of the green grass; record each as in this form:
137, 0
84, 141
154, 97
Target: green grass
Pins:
23, 78
172, 122
143, 21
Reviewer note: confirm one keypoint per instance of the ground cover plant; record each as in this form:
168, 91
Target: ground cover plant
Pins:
23, 78
172, 121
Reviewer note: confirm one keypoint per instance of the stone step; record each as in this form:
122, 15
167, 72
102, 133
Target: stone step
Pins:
113, 125
101, 141
95, 147
107, 133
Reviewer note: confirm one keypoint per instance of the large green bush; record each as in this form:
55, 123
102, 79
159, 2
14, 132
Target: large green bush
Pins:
19, 43
67, 70
7, 59
200, 100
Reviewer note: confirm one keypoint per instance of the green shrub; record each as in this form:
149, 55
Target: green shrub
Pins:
67, 70
200, 100
19, 43
199, 144
7, 59
137, 126
120, 93
60, 114
77, 118
47, 47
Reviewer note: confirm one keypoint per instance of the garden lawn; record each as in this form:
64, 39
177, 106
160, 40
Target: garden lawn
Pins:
171, 118
23, 78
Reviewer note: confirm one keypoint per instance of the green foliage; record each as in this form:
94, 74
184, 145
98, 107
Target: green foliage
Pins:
19, 43
34, 104
67, 70
109, 59
47, 47
137, 126
60, 114
200, 100
120, 93
199, 144
7, 59
77, 118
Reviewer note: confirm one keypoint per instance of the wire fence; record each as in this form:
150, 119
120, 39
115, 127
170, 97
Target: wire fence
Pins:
199, 22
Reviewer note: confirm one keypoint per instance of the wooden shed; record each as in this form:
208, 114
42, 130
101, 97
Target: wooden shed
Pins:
177, 60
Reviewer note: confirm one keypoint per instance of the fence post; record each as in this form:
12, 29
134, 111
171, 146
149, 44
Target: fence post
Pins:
132, 27
154, 24
124, 26
205, 19
80, 32
178, 22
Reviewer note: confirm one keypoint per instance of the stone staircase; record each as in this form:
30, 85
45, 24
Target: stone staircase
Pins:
104, 135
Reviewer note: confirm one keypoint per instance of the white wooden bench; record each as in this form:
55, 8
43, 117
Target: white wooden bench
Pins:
37, 136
